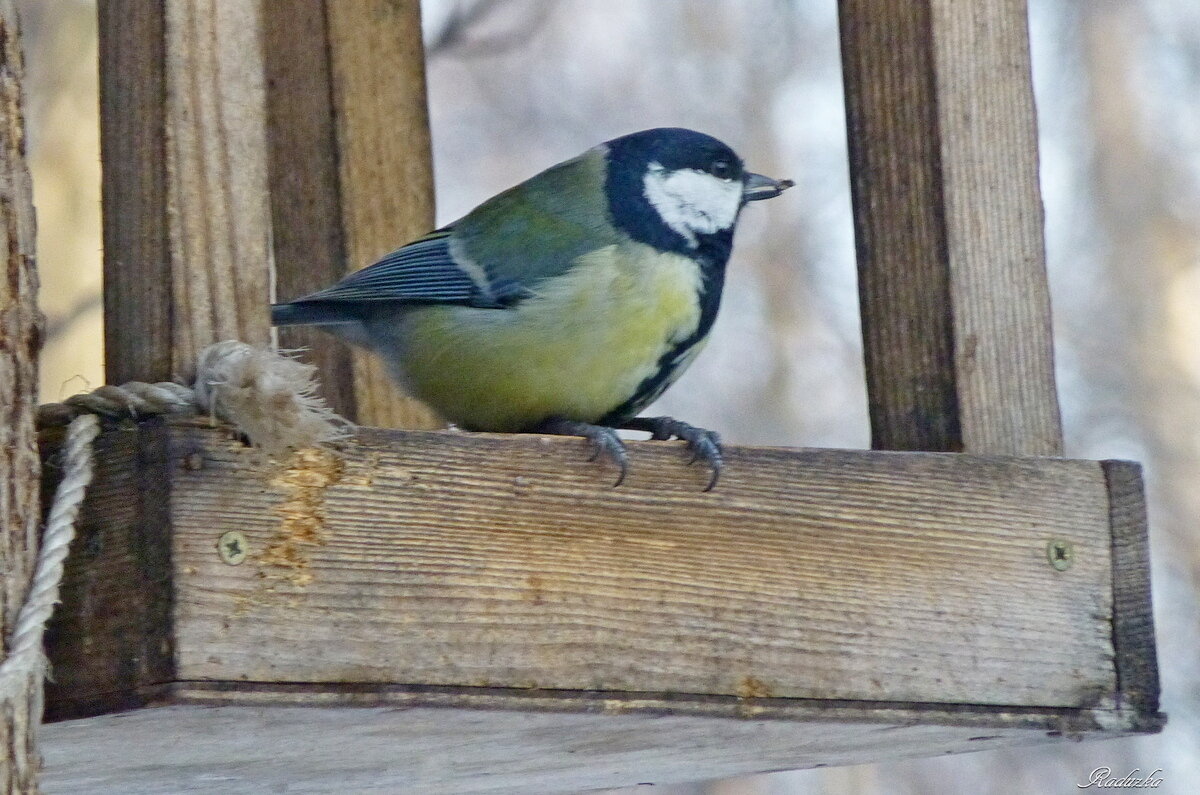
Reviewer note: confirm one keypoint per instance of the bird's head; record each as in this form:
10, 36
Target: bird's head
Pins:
676, 189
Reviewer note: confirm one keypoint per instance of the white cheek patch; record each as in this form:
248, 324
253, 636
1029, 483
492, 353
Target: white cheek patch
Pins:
692, 202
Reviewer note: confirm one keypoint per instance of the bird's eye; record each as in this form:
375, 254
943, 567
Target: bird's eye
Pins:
722, 169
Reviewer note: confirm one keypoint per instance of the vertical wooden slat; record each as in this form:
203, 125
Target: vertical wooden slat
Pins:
137, 262
377, 61
1134, 649
187, 225
246, 143
948, 221
306, 213
20, 338
351, 169
218, 216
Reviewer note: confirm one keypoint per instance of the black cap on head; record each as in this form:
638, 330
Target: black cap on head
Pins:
673, 148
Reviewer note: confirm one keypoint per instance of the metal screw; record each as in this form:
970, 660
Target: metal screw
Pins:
193, 462
1060, 554
233, 547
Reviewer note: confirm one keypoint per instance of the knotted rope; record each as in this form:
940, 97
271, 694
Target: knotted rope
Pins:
269, 397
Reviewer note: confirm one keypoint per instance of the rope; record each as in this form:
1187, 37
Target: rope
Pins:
269, 397
25, 658
134, 399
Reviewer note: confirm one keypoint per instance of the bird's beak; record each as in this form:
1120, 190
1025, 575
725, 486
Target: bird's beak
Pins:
759, 187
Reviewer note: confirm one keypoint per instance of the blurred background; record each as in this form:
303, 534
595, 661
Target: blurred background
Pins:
518, 85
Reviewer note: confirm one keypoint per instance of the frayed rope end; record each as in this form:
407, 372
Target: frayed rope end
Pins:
270, 397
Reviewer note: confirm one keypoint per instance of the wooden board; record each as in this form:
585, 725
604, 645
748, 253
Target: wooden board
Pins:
407, 748
820, 607
137, 261
444, 559
440, 558
306, 214
385, 158
948, 222
116, 636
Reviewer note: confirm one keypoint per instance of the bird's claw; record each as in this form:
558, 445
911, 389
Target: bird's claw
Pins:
704, 444
605, 441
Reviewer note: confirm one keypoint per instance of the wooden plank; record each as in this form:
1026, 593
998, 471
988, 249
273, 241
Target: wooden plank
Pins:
187, 235
219, 219
346, 97
441, 559
385, 160
466, 591
115, 638
207, 107
410, 748
948, 222
446, 558
20, 340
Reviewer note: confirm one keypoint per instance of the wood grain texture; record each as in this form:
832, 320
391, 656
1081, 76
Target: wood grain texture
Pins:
137, 259
821, 607
455, 559
218, 212
20, 339
948, 223
1133, 620
111, 637
187, 223
385, 162
413, 748
306, 213
253, 149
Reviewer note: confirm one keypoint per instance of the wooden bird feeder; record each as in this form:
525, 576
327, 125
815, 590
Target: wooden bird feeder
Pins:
423, 610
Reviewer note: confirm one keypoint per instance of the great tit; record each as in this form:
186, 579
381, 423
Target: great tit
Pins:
564, 305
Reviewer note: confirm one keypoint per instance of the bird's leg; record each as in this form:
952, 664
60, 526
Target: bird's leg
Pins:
604, 440
705, 445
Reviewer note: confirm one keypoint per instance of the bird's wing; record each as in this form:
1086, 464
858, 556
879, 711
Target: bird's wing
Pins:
498, 253
541, 228
424, 271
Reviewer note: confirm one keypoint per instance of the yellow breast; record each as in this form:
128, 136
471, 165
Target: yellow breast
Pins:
578, 349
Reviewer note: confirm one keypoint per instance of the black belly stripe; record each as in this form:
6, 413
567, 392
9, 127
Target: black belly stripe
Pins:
651, 387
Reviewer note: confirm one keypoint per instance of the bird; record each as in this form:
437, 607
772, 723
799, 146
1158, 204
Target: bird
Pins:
566, 304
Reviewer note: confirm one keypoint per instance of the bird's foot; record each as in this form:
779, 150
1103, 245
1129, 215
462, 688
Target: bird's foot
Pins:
605, 441
704, 444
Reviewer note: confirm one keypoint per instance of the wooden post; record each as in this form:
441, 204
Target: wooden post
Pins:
186, 232
351, 168
20, 338
243, 143
948, 221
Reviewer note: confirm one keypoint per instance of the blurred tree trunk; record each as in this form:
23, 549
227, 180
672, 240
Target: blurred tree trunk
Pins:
20, 330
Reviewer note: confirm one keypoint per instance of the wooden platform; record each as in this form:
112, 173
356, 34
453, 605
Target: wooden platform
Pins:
820, 607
